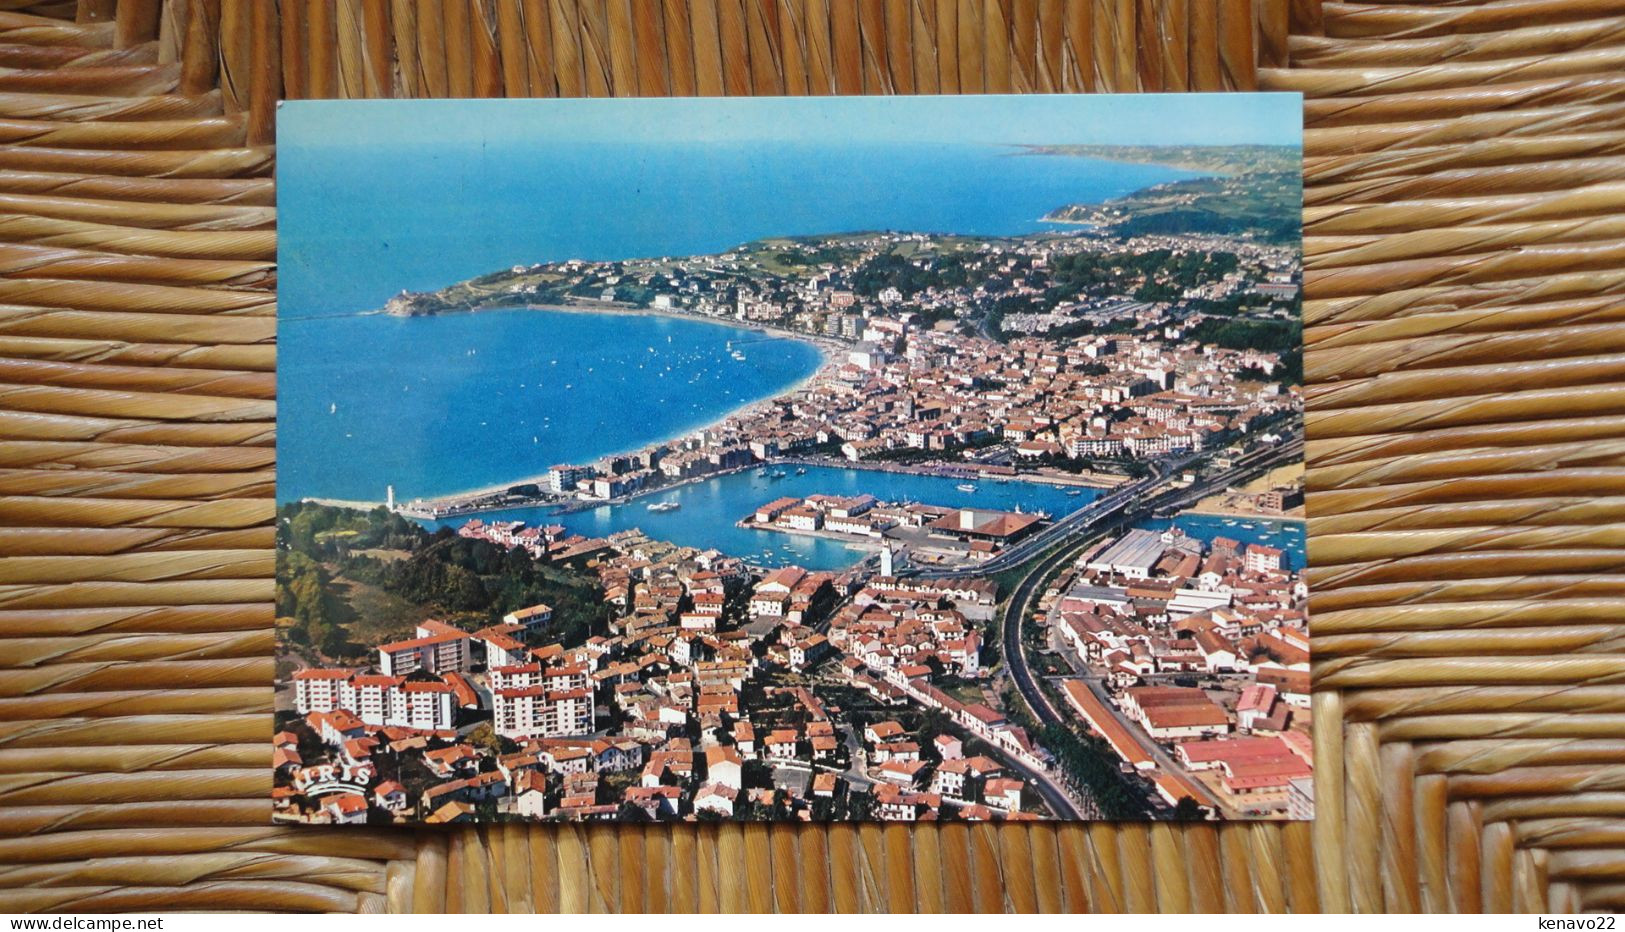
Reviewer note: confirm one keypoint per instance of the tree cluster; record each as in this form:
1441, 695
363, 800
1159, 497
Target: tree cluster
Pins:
449, 574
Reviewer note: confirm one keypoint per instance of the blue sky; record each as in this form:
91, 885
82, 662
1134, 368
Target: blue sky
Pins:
1124, 119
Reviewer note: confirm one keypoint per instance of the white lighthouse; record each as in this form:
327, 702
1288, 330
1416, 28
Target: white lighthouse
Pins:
885, 559
389, 497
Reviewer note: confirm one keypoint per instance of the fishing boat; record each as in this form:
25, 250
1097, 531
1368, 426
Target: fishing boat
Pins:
778, 474
737, 355
663, 507
802, 471
761, 474
966, 487
1074, 492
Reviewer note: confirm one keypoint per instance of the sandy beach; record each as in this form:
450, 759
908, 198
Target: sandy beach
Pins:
832, 357
827, 348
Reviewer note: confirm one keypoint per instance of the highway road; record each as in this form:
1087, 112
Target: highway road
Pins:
1027, 590
1119, 506
1015, 610
1017, 606
1129, 501
1015, 660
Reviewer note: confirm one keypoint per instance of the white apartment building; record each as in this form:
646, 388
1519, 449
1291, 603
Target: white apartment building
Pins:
377, 700
528, 701
438, 648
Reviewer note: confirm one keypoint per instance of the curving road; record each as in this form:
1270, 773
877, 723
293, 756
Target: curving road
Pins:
1128, 501
1016, 608
1015, 659
1026, 591
1053, 795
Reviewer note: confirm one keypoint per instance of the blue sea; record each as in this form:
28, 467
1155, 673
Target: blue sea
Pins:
446, 404
435, 405
711, 507
1288, 535
356, 226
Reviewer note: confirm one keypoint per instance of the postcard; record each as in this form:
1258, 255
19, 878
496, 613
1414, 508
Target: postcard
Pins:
932, 458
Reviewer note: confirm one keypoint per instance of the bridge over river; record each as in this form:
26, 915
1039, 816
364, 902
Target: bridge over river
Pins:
1131, 502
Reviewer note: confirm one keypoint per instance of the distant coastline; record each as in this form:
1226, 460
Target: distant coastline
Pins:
503, 290
1206, 160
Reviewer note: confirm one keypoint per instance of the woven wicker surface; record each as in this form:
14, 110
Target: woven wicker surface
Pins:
1465, 267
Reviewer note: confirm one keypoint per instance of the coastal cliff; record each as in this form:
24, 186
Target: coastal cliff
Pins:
1263, 205
1254, 191
418, 304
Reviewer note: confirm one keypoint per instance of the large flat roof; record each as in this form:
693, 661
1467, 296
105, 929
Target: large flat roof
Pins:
1138, 548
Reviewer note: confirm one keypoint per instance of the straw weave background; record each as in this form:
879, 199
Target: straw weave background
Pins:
1465, 260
